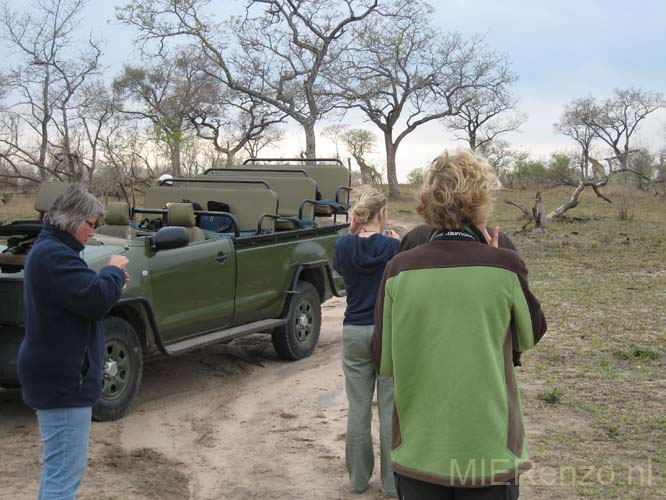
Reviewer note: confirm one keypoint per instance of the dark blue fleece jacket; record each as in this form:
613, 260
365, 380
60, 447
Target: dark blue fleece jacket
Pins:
61, 357
361, 262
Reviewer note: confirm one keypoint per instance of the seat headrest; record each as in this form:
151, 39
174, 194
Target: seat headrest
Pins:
117, 214
181, 214
47, 194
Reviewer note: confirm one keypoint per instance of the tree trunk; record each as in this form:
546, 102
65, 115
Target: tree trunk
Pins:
310, 140
472, 141
391, 175
45, 127
583, 167
231, 158
174, 147
537, 210
42, 150
75, 171
93, 165
573, 202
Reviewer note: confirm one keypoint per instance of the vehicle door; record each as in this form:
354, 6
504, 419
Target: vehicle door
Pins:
193, 288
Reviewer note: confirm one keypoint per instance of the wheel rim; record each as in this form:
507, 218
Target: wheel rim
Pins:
116, 374
304, 321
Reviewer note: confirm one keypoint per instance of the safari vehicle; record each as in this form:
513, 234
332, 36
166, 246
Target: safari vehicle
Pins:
190, 287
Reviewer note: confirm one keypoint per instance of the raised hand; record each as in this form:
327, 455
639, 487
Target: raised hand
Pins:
492, 239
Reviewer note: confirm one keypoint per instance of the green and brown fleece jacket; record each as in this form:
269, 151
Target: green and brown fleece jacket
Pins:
442, 331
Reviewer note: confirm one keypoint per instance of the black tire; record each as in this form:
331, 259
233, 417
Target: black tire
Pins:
123, 369
298, 338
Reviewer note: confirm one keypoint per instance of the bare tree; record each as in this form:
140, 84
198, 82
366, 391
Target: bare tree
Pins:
4, 89
127, 168
44, 85
236, 122
488, 113
98, 120
403, 73
572, 125
499, 154
616, 120
269, 137
283, 47
167, 94
334, 133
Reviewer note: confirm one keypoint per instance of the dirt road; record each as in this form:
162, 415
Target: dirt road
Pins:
228, 422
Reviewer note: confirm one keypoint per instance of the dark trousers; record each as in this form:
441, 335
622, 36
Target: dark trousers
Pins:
413, 489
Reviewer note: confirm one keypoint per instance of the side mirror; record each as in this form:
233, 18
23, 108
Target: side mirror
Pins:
168, 238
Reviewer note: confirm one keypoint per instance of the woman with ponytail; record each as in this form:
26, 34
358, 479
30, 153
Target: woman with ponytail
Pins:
360, 257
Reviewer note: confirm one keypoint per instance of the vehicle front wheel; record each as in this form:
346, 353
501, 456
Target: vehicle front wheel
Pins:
298, 338
123, 369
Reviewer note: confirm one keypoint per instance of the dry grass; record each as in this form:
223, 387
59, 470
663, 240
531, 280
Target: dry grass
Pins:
18, 206
21, 206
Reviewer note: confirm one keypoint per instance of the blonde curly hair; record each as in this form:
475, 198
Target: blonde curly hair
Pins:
368, 206
457, 190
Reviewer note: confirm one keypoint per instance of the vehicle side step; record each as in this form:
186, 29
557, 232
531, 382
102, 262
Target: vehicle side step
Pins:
223, 335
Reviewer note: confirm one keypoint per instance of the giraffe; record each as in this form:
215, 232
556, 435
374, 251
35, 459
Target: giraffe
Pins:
597, 168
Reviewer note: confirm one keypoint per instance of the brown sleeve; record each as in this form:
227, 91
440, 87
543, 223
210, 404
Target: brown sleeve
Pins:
539, 325
376, 341
505, 242
415, 237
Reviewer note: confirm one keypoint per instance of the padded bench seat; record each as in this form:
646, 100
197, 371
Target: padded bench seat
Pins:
248, 205
330, 178
291, 191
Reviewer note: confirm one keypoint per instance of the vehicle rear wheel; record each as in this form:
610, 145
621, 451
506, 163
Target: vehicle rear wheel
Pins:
123, 369
298, 338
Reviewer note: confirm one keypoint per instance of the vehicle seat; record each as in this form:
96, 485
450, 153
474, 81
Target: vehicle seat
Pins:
182, 214
47, 194
116, 221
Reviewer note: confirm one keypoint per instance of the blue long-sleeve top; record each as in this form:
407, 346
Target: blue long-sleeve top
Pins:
361, 262
61, 357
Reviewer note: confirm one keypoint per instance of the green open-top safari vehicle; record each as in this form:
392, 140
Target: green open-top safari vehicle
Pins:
211, 259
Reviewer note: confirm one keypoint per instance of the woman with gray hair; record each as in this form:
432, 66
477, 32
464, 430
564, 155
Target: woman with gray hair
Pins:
62, 354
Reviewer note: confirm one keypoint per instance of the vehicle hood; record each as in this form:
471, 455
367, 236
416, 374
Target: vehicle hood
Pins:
96, 256
96, 253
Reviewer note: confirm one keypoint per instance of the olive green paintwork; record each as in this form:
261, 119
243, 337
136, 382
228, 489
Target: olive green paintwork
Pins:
191, 290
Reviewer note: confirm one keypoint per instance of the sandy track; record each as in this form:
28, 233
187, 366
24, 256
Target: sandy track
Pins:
229, 422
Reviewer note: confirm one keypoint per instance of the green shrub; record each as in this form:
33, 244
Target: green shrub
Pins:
415, 176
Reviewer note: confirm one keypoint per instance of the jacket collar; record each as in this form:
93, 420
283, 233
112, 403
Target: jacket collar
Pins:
50, 231
468, 233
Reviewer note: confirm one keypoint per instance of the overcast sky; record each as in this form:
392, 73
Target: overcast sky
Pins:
560, 49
